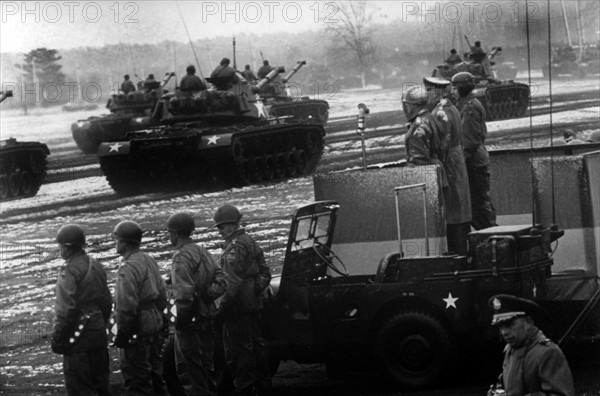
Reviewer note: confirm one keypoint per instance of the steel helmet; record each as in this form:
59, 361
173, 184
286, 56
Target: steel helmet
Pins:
415, 95
181, 222
575, 141
227, 214
128, 231
594, 137
462, 78
71, 235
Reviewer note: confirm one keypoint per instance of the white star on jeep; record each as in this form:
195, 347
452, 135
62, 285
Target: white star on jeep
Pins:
115, 147
450, 301
213, 140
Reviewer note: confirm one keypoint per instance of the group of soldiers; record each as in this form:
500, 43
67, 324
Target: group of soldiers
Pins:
204, 291
146, 85
447, 127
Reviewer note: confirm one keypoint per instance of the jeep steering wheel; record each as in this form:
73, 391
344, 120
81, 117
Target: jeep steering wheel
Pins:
331, 259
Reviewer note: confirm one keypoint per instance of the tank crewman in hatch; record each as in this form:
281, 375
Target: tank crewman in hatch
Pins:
454, 58
477, 158
127, 85
82, 309
264, 69
248, 74
244, 262
457, 199
533, 365
191, 82
150, 83
225, 71
140, 298
197, 281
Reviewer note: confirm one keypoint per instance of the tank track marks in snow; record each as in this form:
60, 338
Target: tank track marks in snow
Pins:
22, 168
186, 158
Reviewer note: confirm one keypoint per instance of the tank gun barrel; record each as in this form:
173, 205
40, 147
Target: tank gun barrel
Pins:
5, 94
269, 77
468, 42
299, 64
494, 52
168, 77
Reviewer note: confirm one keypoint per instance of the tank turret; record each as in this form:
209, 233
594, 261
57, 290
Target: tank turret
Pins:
22, 165
502, 99
128, 112
282, 103
219, 136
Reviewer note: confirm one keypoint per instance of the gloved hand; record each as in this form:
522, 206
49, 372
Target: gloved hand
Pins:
122, 339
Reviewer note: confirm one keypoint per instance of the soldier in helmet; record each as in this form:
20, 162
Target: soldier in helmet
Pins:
249, 74
533, 365
244, 262
474, 132
454, 58
191, 82
225, 71
197, 281
593, 137
82, 309
127, 85
140, 298
150, 83
457, 199
264, 69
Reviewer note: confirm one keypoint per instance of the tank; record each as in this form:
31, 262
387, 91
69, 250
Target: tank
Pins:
502, 99
277, 95
22, 165
225, 135
128, 112
565, 61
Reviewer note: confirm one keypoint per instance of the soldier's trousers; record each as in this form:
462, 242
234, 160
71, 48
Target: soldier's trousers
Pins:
483, 212
246, 352
194, 359
141, 366
87, 372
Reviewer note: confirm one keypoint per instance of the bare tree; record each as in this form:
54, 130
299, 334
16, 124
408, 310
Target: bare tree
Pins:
352, 35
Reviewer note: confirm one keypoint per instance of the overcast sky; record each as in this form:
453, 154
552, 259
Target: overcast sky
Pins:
70, 24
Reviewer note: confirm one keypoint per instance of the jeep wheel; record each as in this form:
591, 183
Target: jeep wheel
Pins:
413, 349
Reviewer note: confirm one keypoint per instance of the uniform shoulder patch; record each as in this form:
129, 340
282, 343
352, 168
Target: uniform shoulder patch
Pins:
441, 114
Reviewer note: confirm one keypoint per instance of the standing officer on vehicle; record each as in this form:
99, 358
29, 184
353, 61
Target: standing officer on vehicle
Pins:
533, 365
140, 298
457, 199
244, 262
477, 158
197, 281
82, 309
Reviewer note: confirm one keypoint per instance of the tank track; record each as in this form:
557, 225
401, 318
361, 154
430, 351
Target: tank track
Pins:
22, 169
503, 101
169, 159
88, 134
302, 110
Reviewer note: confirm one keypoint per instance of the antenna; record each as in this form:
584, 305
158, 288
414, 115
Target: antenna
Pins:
234, 63
190, 41
533, 217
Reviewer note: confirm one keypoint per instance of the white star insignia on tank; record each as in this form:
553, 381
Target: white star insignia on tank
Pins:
450, 301
115, 147
213, 140
261, 109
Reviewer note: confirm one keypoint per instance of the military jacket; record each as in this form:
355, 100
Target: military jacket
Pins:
140, 295
474, 131
127, 86
223, 71
457, 199
81, 288
538, 368
264, 70
197, 280
191, 83
248, 274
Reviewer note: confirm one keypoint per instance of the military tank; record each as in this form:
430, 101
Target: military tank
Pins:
502, 99
22, 165
221, 135
278, 96
565, 61
128, 112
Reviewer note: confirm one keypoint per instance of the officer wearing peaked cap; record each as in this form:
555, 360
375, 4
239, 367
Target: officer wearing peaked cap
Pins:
197, 281
82, 309
457, 199
140, 298
244, 262
533, 365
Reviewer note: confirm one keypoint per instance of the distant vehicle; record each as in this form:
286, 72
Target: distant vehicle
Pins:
502, 99
22, 165
565, 61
